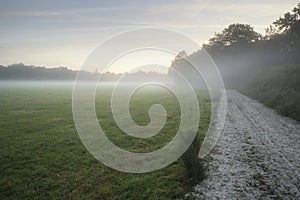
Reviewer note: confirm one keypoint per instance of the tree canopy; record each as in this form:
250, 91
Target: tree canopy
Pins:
234, 35
286, 31
289, 23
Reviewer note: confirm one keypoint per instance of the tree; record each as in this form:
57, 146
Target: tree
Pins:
179, 58
234, 35
288, 23
181, 55
286, 30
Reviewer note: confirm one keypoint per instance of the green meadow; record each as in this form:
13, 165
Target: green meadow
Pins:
42, 157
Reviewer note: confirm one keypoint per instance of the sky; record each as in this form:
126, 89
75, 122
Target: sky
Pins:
64, 32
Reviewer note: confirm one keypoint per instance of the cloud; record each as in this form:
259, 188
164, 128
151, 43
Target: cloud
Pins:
78, 21
59, 12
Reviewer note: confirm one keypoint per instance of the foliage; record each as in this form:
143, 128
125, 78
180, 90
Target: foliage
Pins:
286, 31
281, 43
234, 35
190, 158
246, 61
192, 162
279, 88
288, 23
24, 72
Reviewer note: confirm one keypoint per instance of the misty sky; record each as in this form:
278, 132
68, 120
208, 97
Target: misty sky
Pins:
64, 32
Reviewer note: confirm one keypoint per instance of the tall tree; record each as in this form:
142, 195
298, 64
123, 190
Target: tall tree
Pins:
286, 31
288, 23
234, 35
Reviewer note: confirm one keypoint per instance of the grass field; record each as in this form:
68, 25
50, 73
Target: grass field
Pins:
42, 157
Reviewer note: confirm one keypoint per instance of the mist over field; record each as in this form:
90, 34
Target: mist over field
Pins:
202, 104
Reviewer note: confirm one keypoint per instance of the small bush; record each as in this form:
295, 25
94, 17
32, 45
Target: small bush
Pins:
192, 162
279, 88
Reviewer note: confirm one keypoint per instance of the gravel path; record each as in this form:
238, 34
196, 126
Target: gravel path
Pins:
256, 157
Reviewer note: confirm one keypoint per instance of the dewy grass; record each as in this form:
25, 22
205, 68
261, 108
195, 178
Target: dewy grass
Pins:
42, 156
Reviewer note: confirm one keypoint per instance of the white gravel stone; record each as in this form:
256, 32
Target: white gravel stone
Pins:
256, 157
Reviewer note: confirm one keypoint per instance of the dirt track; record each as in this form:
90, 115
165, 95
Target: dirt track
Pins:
256, 157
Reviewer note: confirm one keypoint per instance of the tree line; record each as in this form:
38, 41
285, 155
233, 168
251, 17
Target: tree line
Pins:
264, 67
24, 72
239, 51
